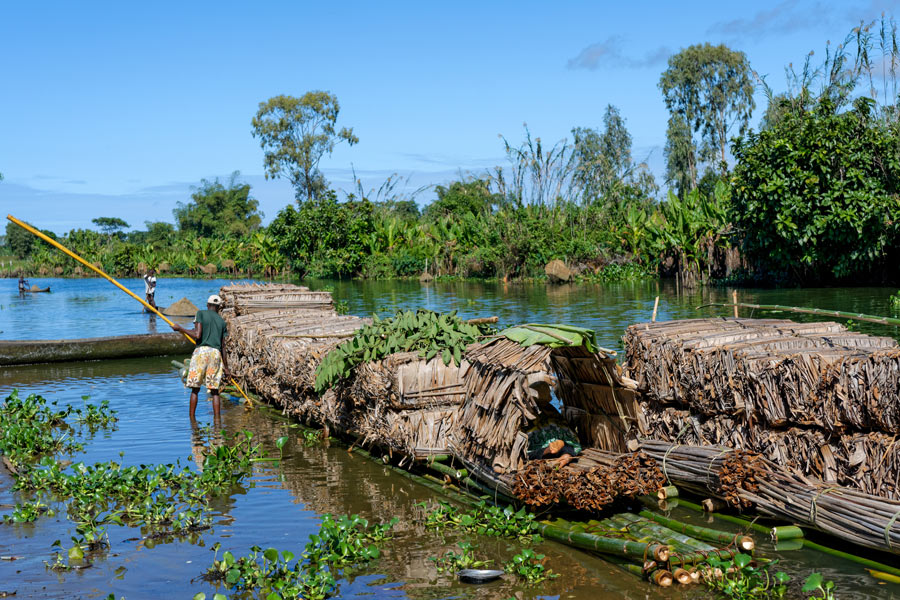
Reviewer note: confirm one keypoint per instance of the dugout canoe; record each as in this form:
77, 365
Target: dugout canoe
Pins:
21, 352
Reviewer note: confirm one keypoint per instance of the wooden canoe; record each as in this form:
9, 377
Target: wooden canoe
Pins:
21, 352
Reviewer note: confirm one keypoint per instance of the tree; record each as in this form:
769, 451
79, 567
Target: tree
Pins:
603, 159
681, 156
604, 165
110, 225
295, 133
711, 88
817, 195
217, 210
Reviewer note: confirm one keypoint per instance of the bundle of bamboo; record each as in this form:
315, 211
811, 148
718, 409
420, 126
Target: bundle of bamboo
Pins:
745, 479
593, 481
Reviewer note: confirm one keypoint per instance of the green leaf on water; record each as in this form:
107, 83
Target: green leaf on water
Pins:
813, 582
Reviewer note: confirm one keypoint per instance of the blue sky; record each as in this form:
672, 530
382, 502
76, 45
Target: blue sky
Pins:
117, 109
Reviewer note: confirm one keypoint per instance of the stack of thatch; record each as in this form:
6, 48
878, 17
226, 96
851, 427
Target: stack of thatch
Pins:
285, 300
502, 380
811, 396
406, 402
402, 402
598, 402
229, 293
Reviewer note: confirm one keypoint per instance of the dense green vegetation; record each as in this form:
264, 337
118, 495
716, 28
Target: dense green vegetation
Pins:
812, 196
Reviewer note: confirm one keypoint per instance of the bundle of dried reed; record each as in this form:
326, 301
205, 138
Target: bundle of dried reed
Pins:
593, 481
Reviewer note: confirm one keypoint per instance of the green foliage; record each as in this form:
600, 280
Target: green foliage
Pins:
324, 238
217, 210
21, 242
95, 417
423, 331
451, 561
817, 196
346, 541
341, 542
895, 299
604, 169
484, 519
295, 133
616, 272
742, 578
29, 429
529, 566
462, 197
28, 512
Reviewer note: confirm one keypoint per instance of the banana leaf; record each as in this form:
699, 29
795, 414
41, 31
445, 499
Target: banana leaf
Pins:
554, 336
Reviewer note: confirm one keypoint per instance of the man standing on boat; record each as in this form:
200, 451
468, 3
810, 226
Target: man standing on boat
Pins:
208, 364
23, 283
150, 286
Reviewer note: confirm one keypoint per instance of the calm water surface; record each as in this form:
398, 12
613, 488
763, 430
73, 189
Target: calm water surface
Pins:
286, 503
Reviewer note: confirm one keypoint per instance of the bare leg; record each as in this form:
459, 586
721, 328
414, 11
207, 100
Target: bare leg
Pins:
193, 409
216, 403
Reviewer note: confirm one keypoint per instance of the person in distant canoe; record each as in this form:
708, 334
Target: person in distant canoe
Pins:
150, 286
23, 284
208, 364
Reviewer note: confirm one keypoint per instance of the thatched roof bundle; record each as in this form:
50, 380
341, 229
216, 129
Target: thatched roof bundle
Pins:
813, 397
504, 383
775, 372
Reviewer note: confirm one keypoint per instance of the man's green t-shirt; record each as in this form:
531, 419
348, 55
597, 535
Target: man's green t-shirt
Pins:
212, 330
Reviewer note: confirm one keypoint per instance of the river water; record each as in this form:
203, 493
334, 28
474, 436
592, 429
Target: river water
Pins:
286, 501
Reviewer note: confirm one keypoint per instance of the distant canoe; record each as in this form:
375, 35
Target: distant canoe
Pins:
21, 352
35, 289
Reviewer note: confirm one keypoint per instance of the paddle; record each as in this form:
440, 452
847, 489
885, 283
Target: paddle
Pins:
100, 272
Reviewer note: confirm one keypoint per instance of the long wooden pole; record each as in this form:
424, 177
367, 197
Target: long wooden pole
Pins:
813, 311
100, 272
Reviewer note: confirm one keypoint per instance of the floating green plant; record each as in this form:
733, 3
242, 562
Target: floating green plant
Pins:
529, 566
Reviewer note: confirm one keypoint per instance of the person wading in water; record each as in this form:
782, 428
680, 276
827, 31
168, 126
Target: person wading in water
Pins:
150, 287
208, 364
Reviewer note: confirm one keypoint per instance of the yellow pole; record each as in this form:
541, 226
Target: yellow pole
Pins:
100, 272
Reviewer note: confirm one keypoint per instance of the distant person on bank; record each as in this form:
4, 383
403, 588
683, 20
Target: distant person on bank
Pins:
208, 364
150, 287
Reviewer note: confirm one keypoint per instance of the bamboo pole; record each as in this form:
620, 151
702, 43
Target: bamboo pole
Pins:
655, 307
812, 311
873, 564
734, 300
100, 272
704, 533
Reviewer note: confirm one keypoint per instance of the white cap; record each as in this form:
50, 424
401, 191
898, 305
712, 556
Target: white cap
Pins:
214, 299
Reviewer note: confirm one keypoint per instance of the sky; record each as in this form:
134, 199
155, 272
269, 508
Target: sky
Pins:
120, 108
